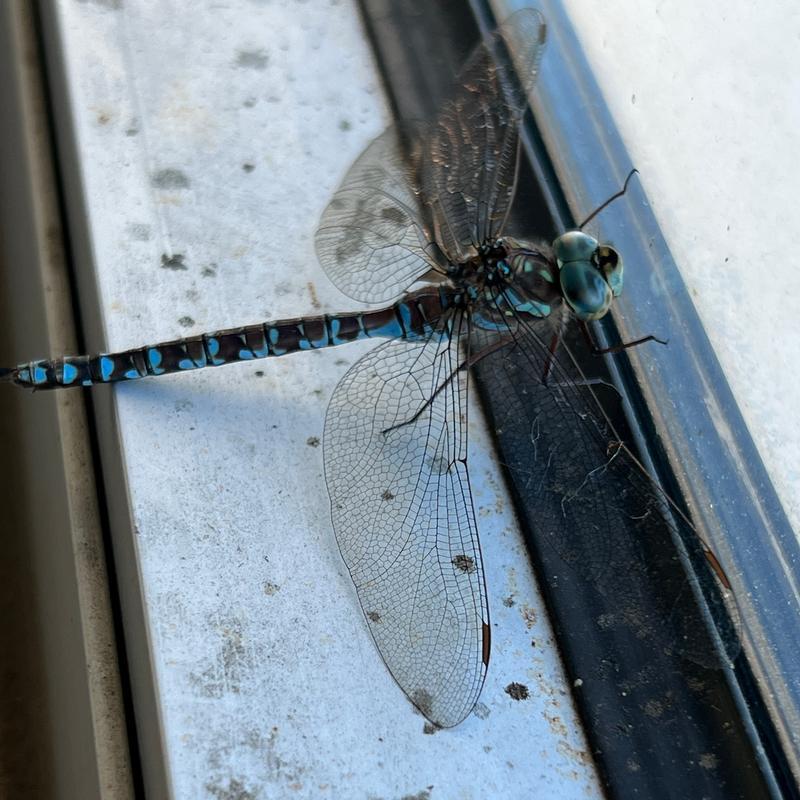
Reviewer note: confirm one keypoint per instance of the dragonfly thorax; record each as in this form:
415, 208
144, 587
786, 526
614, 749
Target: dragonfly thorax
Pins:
508, 279
530, 277
589, 274
485, 271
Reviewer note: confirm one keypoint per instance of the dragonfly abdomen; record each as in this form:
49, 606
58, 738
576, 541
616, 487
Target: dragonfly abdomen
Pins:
408, 318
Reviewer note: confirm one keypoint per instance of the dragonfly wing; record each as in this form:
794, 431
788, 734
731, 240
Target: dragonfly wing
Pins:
450, 182
592, 501
371, 240
467, 166
395, 463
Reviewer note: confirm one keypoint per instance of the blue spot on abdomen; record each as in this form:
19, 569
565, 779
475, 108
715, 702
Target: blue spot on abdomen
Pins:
39, 374
154, 359
106, 367
392, 330
69, 374
212, 345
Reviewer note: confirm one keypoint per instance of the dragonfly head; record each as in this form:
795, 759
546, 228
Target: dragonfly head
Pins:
590, 274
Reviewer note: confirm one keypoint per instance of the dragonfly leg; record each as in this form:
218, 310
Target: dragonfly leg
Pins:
466, 364
551, 355
601, 351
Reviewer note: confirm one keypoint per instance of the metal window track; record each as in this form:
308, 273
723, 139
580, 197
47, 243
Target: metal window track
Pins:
748, 717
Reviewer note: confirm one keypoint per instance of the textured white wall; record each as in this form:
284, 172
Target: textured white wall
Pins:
707, 98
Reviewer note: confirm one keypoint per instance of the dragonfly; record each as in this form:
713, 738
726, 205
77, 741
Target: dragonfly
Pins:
418, 224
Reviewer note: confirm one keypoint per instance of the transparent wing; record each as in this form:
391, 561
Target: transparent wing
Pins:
450, 182
371, 240
395, 463
467, 166
597, 507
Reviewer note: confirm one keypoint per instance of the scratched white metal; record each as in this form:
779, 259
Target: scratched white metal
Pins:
211, 136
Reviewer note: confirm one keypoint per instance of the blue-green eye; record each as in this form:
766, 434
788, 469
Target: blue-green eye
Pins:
574, 246
585, 290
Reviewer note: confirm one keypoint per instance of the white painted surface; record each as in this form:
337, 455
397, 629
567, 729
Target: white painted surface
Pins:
269, 683
707, 99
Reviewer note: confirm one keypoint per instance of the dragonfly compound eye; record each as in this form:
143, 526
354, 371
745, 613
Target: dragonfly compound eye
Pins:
585, 290
574, 246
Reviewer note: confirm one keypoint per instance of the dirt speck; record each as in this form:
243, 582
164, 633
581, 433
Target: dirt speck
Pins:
557, 725
425, 794
186, 322
653, 708
709, 761
248, 166
271, 588
517, 691
373, 616
174, 262
573, 753
606, 621
529, 616
170, 178
464, 563
312, 290
235, 790
429, 729
139, 232
252, 59
313, 441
